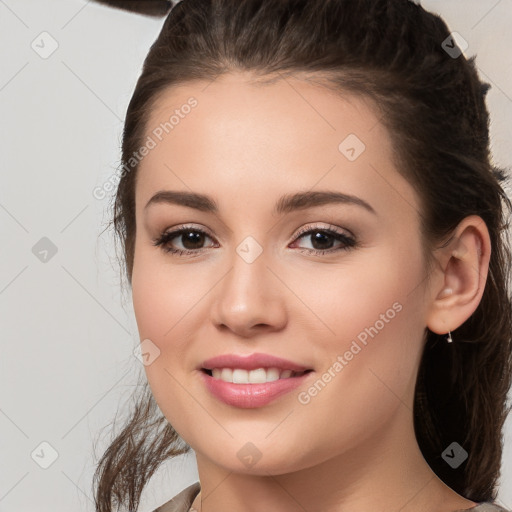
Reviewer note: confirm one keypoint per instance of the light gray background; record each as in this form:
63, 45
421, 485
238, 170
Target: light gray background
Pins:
68, 333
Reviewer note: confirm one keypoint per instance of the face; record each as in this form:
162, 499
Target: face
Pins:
333, 282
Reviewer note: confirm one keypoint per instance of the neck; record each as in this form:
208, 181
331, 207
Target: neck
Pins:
384, 472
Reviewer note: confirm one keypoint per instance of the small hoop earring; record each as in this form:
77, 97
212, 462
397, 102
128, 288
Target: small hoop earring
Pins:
449, 337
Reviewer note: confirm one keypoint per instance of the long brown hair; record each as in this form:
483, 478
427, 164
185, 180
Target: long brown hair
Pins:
433, 104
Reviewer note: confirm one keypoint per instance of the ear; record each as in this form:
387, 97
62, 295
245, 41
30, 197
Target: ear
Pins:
458, 283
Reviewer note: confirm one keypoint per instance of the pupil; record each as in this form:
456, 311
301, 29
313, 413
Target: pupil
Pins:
193, 238
322, 237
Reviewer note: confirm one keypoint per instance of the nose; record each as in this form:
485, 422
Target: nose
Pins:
250, 299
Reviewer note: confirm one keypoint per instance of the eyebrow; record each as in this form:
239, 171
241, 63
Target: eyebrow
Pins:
285, 204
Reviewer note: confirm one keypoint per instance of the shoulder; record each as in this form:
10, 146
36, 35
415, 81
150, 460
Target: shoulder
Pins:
486, 506
182, 501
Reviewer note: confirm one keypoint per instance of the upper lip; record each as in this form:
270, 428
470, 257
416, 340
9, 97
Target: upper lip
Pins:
251, 362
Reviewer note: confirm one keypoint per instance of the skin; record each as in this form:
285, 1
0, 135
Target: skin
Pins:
352, 447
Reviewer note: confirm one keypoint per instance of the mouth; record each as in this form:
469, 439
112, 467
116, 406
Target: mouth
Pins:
256, 376
249, 388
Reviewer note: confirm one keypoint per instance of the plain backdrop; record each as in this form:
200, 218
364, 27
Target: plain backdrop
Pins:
68, 331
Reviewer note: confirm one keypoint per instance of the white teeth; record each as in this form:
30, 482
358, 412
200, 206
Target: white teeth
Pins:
224, 374
258, 376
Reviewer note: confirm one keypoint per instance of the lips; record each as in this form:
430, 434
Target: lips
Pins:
251, 362
252, 395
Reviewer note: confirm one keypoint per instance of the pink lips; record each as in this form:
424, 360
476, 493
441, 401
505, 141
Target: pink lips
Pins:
251, 395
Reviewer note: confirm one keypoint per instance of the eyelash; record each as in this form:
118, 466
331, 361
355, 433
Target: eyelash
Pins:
161, 241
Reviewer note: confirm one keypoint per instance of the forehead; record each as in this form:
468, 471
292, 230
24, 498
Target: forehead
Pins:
240, 137
236, 104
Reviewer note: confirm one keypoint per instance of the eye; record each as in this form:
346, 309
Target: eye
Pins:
323, 239
192, 240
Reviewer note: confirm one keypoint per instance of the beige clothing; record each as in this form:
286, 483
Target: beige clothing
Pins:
182, 503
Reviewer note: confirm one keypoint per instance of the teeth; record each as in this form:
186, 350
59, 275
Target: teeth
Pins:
259, 376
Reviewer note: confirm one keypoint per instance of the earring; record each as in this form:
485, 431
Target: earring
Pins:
449, 337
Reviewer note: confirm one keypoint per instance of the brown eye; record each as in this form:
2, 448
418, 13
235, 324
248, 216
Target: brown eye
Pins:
323, 240
191, 239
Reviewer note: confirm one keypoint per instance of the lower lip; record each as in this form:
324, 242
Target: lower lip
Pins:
247, 396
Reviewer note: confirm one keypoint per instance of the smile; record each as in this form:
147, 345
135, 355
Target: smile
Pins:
257, 376
244, 394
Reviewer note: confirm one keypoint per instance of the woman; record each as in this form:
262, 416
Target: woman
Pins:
315, 239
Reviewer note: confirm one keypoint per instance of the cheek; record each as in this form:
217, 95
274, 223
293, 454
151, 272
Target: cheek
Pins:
368, 294
162, 294
368, 372
168, 307
373, 335
157, 310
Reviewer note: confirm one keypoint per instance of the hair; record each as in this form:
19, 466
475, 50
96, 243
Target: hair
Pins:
433, 106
